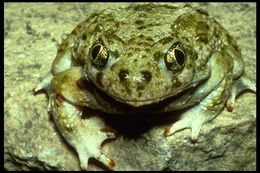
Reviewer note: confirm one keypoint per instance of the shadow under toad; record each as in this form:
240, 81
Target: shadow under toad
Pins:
134, 125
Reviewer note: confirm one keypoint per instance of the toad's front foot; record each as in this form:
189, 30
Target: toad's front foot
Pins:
85, 134
90, 143
188, 120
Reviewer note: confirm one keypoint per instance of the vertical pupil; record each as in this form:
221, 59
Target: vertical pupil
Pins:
95, 51
179, 56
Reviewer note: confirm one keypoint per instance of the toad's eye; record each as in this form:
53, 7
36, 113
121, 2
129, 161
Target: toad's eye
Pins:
175, 57
99, 54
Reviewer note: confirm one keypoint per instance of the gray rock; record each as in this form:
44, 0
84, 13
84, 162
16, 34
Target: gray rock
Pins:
32, 142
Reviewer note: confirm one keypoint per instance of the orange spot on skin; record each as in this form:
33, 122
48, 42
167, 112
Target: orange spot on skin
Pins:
58, 100
76, 31
111, 164
166, 132
229, 107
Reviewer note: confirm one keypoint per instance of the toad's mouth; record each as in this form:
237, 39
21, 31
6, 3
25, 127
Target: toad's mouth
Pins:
136, 98
114, 99
154, 105
148, 98
162, 100
141, 102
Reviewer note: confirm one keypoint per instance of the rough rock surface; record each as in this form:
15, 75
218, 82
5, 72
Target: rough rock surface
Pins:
32, 142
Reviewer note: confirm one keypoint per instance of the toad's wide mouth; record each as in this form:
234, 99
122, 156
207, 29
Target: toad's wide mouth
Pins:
141, 101
137, 96
149, 105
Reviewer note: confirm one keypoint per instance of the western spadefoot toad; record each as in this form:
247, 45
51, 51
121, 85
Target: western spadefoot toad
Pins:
143, 58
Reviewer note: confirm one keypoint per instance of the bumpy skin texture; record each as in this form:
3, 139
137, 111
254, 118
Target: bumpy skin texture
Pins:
143, 58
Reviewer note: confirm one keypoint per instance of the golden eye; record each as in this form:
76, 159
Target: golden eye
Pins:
99, 54
175, 58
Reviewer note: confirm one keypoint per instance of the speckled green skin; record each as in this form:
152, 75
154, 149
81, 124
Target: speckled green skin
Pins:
135, 75
138, 39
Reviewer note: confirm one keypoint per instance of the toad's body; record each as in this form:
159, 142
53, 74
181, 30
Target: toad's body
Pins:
127, 59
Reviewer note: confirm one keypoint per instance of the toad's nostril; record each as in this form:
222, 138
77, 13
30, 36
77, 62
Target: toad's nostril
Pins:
146, 75
123, 75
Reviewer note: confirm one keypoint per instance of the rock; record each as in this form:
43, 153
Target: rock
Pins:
32, 142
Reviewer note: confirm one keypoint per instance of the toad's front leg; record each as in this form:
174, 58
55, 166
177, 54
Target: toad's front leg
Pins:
217, 90
85, 134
